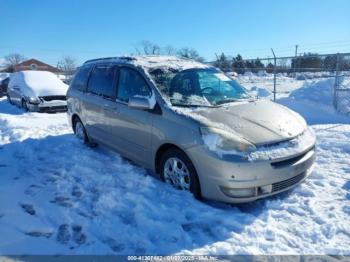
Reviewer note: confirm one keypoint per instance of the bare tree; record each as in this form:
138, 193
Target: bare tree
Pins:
148, 48
11, 60
190, 53
67, 65
169, 50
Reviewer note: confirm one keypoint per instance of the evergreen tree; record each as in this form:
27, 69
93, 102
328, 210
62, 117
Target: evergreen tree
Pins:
223, 63
238, 64
259, 65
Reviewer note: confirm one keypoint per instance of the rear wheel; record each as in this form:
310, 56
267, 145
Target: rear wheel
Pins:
79, 130
177, 170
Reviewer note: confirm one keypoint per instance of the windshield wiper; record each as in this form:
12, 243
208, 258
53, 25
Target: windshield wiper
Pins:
229, 100
190, 105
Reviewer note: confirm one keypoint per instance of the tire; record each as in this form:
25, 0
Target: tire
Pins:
24, 105
83, 135
79, 130
166, 162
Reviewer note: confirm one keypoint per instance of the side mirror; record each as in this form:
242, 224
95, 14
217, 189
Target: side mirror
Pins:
142, 103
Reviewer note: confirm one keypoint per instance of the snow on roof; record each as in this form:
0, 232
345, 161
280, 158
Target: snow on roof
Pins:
151, 62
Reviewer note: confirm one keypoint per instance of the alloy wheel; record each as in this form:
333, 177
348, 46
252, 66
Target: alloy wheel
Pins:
79, 130
176, 173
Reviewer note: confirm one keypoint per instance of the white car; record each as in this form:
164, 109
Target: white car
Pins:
39, 91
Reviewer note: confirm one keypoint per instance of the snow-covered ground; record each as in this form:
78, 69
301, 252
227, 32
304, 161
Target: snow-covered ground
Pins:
284, 84
58, 196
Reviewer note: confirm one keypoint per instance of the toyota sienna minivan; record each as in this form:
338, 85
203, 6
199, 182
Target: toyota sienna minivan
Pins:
192, 125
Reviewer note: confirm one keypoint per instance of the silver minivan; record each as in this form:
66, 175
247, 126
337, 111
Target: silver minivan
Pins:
192, 125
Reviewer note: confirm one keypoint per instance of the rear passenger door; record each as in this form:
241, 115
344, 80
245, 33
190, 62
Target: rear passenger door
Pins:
131, 128
100, 94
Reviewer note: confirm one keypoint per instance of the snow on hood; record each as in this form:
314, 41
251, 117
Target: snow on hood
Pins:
260, 122
38, 83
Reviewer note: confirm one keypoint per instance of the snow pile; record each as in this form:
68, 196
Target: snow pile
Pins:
260, 92
320, 92
262, 73
38, 83
314, 100
249, 74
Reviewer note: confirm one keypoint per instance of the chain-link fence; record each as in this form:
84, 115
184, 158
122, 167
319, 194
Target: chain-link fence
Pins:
282, 75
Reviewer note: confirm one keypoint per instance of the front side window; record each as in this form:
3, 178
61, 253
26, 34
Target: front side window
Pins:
131, 84
198, 87
80, 79
101, 81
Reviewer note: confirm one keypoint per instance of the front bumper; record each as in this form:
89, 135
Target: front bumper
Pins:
54, 106
216, 174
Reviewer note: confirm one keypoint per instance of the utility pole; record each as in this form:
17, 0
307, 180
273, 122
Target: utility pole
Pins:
336, 83
274, 76
295, 60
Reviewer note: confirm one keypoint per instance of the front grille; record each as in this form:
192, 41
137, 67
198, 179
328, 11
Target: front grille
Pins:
289, 161
53, 109
287, 183
51, 98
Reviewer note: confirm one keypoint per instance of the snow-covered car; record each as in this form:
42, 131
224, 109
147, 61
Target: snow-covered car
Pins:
195, 127
39, 91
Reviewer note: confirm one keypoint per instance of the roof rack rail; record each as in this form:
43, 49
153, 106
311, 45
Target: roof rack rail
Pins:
128, 58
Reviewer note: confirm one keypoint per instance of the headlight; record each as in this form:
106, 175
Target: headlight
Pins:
223, 141
34, 100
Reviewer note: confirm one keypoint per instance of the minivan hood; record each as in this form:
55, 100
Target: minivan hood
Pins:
260, 122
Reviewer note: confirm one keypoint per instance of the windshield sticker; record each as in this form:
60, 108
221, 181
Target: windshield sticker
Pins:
222, 77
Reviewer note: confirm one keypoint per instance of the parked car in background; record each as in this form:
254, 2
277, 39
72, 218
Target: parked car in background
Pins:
195, 127
3, 86
39, 91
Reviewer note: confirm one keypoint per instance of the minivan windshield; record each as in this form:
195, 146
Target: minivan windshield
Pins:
198, 87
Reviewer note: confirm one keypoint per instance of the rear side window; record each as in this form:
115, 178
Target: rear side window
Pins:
131, 84
101, 81
80, 80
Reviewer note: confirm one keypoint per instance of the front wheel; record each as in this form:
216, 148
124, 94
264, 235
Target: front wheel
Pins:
178, 171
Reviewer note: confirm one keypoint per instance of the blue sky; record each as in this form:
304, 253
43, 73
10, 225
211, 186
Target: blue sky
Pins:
49, 30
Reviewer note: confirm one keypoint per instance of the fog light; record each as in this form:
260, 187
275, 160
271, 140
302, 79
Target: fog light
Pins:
266, 189
239, 192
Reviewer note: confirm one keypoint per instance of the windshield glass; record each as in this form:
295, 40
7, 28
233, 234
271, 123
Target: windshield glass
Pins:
198, 87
